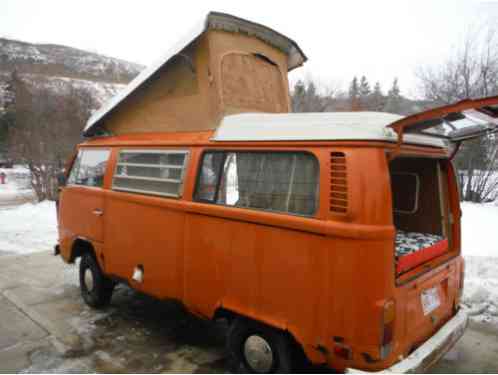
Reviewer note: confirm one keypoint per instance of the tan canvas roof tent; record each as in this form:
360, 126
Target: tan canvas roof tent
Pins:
226, 65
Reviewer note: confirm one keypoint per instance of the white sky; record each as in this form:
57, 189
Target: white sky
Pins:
380, 39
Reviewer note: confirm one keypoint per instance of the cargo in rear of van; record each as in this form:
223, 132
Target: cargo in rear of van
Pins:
420, 211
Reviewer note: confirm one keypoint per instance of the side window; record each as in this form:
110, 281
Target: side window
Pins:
156, 172
89, 168
270, 181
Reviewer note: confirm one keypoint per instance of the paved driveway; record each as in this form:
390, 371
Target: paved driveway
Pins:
45, 327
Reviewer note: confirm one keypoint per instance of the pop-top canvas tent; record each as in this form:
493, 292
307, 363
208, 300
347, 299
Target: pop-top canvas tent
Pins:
226, 65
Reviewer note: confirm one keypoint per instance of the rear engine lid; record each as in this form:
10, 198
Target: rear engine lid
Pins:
428, 303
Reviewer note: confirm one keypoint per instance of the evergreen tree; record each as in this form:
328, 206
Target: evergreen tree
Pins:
377, 89
298, 96
311, 90
377, 100
306, 99
364, 89
394, 91
394, 100
354, 94
364, 93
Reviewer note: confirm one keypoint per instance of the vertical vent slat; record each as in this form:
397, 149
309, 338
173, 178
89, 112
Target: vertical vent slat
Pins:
338, 183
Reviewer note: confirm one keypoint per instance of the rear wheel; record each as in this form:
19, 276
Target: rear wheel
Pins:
255, 348
96, 288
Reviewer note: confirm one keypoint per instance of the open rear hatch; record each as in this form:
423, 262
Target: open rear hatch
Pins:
455, 122
420, 185
421, 210
422, 189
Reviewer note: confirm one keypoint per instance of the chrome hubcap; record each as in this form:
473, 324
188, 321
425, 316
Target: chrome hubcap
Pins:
258, 354
88, 279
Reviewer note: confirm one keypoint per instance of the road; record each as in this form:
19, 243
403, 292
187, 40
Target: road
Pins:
45, 327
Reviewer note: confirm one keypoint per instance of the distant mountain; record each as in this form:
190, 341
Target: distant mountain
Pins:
56, 67
56, 60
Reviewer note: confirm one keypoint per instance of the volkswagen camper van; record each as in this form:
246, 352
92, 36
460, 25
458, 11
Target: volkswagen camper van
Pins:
333, 235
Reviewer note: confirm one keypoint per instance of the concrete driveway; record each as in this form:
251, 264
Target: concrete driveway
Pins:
45, 327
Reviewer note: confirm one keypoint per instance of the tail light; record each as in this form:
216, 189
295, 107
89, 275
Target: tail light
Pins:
343, 351
387, 328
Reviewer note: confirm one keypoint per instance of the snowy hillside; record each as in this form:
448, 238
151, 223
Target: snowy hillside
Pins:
56, 60
59, 67
101, 91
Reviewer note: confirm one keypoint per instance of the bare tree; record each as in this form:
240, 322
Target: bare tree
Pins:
47, 126
477, 173
471, 72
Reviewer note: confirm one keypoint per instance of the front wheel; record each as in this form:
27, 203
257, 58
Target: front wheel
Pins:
96, 288
254, 348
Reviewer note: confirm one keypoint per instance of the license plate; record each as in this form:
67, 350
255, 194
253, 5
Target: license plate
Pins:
430, 300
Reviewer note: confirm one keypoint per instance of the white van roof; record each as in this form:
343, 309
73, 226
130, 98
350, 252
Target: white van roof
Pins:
326, 126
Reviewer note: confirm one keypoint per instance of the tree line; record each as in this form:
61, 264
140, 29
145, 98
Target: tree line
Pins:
359, 97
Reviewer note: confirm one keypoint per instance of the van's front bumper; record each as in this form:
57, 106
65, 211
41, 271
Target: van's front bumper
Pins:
432, 350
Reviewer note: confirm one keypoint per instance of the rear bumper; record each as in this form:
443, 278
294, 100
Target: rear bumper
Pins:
432, 350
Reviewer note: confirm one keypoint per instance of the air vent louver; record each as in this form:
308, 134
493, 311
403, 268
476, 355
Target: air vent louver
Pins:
338, 183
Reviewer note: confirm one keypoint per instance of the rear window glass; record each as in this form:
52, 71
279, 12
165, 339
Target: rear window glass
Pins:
157, 172
270, 181
89, 168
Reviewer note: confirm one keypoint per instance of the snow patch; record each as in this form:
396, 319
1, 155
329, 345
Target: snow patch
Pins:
17, 184
480, 293
478, 226
28, 228
480, 250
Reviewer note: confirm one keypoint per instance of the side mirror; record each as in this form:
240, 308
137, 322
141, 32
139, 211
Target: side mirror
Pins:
61, 179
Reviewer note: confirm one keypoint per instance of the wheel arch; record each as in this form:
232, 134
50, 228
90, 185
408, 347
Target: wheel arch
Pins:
81, 246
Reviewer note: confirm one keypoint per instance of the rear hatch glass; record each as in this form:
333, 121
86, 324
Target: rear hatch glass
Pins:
455, 122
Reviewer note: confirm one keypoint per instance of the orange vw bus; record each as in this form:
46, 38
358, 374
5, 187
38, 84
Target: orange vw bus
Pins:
336, 232
336, 235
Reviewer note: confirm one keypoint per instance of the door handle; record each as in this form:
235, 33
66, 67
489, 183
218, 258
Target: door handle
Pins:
98, 212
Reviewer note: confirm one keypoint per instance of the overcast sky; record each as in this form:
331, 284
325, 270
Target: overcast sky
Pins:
380, 39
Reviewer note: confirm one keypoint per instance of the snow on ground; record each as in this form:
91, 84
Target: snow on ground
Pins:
28, 228
479, 229
480, 249
17, 185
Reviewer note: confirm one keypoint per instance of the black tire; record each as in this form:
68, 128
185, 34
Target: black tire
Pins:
100, 294
280, 343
